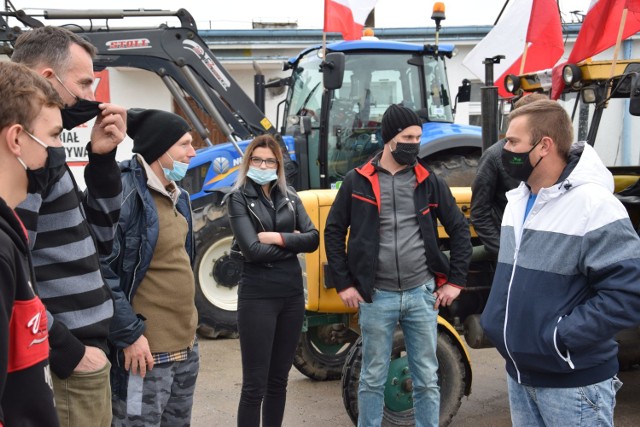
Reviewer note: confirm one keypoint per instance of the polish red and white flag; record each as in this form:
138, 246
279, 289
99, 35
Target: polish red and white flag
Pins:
599, 32
529, 31
347, 17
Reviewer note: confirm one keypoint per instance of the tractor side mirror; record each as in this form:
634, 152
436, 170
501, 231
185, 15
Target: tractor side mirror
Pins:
634, 97
464, 91
333, 70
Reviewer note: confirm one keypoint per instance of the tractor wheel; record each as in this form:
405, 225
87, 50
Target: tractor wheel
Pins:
457, 169
217, 277
398, 409
322, 351
628, 348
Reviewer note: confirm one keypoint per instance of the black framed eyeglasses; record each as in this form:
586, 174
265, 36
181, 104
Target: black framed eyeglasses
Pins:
257, 162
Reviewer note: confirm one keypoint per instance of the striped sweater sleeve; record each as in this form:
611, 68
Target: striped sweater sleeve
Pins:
102, 198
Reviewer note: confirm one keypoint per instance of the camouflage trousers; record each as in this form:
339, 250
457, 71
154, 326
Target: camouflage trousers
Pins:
163, 398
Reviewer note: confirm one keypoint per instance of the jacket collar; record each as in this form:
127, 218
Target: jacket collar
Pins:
172, 191
369, 169
252, 190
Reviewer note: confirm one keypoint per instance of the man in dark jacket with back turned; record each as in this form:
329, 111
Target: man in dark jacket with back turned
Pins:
488, 191
393, 270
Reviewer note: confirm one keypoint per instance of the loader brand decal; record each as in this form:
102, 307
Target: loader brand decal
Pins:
220, 165
206, 59
128, 44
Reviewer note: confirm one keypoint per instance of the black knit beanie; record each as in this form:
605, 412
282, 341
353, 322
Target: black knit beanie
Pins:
154, 131
396, 119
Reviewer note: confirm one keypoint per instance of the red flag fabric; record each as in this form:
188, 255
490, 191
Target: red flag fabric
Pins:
534, 22
599, 32
347, 16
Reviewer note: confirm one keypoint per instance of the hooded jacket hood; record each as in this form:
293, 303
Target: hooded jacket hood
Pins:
10, 224
584, 166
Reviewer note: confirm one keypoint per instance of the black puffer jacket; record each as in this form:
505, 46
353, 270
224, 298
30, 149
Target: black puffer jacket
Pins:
488, 196
270, 270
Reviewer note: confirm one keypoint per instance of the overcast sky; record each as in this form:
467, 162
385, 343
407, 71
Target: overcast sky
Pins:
239, 14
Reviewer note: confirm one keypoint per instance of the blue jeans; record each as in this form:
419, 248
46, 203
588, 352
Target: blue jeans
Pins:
586, 406
413, 309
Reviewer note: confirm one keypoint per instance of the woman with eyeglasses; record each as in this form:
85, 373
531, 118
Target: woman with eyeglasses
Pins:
270, 227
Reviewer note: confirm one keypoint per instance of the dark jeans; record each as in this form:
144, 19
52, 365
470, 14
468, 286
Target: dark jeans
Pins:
269, 332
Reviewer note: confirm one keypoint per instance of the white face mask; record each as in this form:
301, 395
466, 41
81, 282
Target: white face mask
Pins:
262, 176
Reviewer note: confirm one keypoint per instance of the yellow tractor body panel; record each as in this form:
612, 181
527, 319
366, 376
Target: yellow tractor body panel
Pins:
317, 204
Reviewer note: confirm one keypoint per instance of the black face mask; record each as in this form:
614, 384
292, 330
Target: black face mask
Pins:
405, 153
41, 179
79, 113
517, 165
38, 180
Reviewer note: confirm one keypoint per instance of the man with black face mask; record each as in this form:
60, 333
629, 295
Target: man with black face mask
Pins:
68, 231
30, 127
567, 276
394, 271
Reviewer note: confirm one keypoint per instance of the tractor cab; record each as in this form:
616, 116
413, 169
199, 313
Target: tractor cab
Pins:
338, 128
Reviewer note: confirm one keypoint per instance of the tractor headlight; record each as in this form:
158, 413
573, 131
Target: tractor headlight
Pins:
588, 95
512, 83
571, 74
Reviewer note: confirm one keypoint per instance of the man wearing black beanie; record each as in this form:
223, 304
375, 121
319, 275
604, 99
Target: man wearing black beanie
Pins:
155, 355
394, 271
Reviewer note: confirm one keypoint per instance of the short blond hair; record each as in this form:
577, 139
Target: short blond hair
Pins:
528, 99
23, 93
547, 118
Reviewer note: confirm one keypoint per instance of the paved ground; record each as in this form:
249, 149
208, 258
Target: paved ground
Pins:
319, 404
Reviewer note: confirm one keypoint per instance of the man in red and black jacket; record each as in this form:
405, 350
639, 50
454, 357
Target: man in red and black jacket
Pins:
392, 268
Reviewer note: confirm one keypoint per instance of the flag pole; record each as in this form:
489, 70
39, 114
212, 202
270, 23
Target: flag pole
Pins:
524, 57
324, 44
616, 51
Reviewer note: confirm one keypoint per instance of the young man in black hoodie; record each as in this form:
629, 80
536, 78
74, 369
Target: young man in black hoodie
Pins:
30, 127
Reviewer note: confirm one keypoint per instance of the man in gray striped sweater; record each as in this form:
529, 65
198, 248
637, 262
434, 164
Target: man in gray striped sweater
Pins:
69, 229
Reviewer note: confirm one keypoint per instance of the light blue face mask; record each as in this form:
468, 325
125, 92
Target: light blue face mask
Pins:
262, 176
178, 172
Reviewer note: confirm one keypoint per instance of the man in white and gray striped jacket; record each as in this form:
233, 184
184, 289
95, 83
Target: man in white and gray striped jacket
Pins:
68, 229
567, 276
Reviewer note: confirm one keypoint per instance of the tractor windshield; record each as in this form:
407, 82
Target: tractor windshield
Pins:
372, 82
